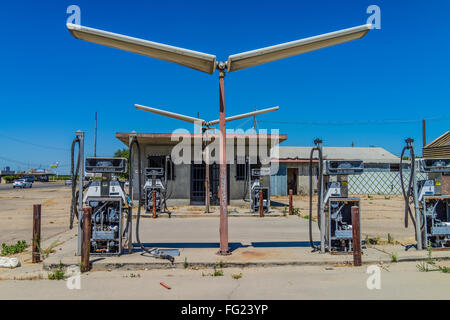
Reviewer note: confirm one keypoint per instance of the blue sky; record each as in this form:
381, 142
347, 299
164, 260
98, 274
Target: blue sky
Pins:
51, 84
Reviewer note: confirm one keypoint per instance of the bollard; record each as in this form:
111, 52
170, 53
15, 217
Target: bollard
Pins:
261, 208
35, 256
356, 237
86, 239
290, 203
154, 204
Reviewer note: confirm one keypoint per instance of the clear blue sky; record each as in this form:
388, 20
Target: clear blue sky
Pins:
51, 84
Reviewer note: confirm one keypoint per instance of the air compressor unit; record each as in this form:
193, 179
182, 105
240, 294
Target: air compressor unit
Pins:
257, 186
109, 204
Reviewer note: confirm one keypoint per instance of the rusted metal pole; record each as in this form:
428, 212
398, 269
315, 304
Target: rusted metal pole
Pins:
261, 208
154, 204
223, 229
206, 172
95, 136
86, 239
424, 136
35, 256
290, 203
356, 237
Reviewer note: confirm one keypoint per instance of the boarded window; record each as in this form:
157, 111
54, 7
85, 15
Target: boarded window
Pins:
160, 162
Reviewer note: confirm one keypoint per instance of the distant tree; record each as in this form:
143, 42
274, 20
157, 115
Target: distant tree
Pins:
123, 153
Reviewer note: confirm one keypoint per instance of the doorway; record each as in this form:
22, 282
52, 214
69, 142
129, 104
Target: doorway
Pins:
198, 176
292, 180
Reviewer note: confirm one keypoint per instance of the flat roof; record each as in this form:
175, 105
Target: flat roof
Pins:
166, 138
366, 154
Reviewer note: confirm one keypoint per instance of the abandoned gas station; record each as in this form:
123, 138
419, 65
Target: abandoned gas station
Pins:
186, 181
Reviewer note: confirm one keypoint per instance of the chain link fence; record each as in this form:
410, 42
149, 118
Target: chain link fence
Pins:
379, 182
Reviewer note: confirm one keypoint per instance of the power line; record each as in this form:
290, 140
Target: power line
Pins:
358, 122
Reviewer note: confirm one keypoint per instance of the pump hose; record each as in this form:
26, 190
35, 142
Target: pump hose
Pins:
407, 193
152, 250
74, 175
311, 242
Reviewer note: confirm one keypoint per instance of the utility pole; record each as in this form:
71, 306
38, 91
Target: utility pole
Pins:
424, 136
95, 136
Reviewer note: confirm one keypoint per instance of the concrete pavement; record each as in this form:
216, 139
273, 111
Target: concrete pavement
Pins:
398, 281
269, 241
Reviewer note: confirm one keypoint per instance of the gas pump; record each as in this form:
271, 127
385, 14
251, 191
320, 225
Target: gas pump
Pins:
333, 203
109, 204
257, 186
431, 199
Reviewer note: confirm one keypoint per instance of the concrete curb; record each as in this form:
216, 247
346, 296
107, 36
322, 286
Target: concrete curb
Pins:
134, 266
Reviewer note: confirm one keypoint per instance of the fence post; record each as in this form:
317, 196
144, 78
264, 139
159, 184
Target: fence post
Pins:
154, 204
86, 239
261, 208
35, 256
290, 203
356, 237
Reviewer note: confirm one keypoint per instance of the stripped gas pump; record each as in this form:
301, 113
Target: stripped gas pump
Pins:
431, 200
333, 204
109, 204
257, 186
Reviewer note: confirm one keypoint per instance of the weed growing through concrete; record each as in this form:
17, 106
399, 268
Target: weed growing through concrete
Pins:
216, 273
237, 276
59, 274
307, 217
20, 246
185, 263
46, 252
372, 241
394, 257
390, 239
444, 269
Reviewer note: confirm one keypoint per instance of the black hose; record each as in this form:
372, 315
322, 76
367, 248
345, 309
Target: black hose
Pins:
311, 242
407, 193
149, 251
74, 174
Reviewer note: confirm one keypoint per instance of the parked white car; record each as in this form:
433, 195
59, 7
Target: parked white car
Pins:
22, 183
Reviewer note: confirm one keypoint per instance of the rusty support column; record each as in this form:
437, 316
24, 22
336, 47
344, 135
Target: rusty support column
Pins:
424, 135
35, 256
356, 237
223, 229
206, 172
261, 207
154, 204
86, 239
290, 203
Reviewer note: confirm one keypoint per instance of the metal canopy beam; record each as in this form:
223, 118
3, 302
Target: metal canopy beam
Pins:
203, 122
188, 58
170, 114
260, 56
245, 115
